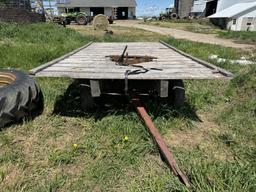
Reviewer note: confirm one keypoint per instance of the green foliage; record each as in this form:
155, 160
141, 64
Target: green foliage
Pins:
30, 45
204, 50
201, 29
59, 157
197, 26
8, 30
243, 36
240, 116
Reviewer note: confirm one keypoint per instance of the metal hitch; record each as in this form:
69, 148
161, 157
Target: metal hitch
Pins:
125, 59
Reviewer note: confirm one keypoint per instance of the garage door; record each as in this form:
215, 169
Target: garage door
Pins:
122, 13
96, 11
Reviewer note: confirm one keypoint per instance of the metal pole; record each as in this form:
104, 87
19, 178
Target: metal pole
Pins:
167, 154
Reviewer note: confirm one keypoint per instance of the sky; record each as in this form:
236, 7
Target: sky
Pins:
152, 7
145, 7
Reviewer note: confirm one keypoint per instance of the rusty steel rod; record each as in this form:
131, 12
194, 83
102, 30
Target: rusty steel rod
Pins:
167, 154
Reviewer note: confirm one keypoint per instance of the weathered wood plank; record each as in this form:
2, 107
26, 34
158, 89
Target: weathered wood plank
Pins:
122, 70
120, 76
113, 66
40, 68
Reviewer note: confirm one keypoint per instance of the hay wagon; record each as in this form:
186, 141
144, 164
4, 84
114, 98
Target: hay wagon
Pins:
133, 69
144, 68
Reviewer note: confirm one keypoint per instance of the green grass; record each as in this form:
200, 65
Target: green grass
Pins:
120, 34
196, 26
205, 27
24, 46
203, 51
240, 36
217, 153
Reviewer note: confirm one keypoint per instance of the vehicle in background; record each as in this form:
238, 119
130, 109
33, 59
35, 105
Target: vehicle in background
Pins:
81, 18
168, 14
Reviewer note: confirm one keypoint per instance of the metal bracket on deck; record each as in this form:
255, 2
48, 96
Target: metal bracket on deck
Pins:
163, 88
95, 88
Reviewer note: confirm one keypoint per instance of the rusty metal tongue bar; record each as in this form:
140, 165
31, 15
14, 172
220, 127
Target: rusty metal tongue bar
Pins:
167, 154
121, 58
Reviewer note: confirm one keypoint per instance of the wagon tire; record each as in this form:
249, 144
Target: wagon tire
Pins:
87, 101
20, 97
176, 93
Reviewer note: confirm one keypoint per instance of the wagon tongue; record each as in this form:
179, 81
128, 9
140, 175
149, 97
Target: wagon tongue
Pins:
163, 148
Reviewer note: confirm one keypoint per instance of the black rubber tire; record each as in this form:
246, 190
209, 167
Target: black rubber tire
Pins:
81, 20
68, 21
177, 93
87, 101
20, 99
174, 15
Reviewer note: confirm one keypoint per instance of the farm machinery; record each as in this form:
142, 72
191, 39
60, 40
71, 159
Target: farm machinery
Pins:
168, 14
81, 18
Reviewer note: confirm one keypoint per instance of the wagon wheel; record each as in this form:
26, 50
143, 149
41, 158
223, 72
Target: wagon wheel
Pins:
20, 97
87, 101
176, 93
81, 20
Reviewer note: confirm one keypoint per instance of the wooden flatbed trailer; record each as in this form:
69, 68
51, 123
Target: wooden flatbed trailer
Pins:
154, 68
162, 76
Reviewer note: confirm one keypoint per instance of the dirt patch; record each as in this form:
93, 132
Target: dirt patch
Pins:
74, 169
10, 174
201, 137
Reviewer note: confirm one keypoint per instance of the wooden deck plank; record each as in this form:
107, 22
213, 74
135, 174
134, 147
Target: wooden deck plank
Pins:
113, 64
84, 75
100, 66
122, 70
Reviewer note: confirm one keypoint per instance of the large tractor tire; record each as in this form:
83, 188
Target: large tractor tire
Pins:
20, 97
174, 15
68, 21
81, 20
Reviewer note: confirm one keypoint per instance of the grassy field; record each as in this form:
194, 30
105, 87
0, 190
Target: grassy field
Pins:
65, 149
205, 27
196, 26
240, 36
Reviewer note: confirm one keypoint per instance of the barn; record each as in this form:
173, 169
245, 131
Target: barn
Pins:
117, 9
237, 17
202, 8
183, 7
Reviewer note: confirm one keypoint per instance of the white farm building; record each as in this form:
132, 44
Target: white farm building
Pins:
117, 9
236, 16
